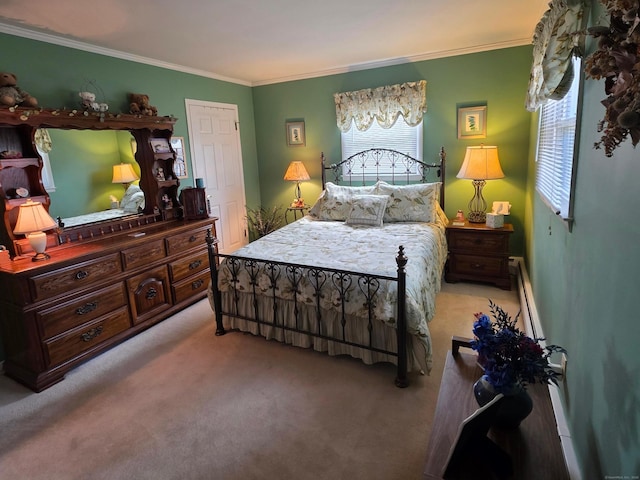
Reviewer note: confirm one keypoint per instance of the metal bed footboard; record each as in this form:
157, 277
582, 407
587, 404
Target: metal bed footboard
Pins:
292, 274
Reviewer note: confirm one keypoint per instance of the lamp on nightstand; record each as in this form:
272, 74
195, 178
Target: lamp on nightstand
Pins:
124, 174
297, 173
32, 221
480, 164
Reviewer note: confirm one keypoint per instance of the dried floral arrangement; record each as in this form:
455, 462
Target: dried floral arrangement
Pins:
617, 60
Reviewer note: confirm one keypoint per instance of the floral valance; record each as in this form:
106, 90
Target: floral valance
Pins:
383, 104
43, 140
555, 40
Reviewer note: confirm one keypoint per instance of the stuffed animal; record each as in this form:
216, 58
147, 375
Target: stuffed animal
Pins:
89, 104
88, 101
11, 95
139, 105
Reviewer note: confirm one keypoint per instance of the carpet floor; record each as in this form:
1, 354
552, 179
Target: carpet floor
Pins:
177, 402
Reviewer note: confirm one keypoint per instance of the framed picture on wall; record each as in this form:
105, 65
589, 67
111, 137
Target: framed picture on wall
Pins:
295, 134
180, 163
472, 122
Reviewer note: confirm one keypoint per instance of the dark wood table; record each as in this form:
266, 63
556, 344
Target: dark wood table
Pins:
534, 447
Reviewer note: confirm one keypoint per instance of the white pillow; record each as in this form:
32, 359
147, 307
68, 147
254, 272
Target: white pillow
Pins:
334, 203
410, 203
135, 202
367, 210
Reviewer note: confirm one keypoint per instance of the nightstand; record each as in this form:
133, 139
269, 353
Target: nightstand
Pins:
296, 211
478, 253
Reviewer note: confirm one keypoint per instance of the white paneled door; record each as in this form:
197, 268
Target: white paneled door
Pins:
214, 139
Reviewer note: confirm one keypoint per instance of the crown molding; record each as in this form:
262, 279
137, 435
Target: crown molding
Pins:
398, 61
87, 47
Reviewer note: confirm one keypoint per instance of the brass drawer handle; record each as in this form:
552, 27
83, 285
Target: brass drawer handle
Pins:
151, 293
477, 266
194, 265
82, 274
197, 284
86, 308
91, 334
193, 238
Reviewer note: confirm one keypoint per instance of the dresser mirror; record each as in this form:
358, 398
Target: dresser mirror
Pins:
79, 181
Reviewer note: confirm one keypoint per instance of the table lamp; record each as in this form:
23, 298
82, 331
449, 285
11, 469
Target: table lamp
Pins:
297, 173
480, 164
124, 174
33, 220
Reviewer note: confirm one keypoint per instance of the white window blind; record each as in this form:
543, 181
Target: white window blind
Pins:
400, 137
556, 152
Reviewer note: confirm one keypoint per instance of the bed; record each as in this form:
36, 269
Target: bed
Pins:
131, 204
357, 275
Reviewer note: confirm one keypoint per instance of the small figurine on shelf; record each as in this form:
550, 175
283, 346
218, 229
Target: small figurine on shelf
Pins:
160, 174
166, 202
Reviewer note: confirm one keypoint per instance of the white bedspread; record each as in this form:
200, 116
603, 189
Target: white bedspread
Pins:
370, 250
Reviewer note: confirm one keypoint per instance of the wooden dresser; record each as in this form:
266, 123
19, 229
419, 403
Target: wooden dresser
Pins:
478, 253
94, 294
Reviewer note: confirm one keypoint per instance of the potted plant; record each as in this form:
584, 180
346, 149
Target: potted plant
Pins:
263, 221
511, 360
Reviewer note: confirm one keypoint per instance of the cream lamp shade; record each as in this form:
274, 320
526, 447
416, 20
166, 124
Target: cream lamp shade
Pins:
32, 221
296, 172
124, 174
480, 164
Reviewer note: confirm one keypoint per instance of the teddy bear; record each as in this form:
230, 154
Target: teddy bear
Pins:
88, 103
139, 105
11, 95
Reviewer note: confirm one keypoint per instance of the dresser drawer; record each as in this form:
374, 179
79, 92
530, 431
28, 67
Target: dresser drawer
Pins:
83, 309
186, 241
189, 266
81, 339
144, 254
191, 286
478, 265
480, 242
76, 276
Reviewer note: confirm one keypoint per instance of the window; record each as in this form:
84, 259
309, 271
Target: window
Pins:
556, 149
401, 137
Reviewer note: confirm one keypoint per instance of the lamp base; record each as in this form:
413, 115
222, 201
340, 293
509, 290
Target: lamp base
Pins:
40, 256
477, 217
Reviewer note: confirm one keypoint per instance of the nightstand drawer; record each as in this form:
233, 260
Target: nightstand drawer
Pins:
477, 265
481, 242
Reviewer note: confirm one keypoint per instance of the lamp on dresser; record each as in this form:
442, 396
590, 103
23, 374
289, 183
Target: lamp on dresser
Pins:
33, 221
480, 164
124, 174
297, 173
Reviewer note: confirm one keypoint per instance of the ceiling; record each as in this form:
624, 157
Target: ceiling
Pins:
258, 42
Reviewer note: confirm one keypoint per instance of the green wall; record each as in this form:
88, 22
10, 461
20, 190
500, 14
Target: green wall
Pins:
451, 82
585, 285
55, 74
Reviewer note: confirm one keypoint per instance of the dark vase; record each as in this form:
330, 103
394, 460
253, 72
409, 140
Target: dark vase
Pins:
515, 406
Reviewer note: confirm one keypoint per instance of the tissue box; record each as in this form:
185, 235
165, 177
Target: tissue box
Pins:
495, 220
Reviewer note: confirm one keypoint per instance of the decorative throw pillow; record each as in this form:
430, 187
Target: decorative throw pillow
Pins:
135, 203
410, 203
367, 210
335, 201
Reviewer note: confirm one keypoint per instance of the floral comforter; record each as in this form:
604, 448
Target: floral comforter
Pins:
370, 250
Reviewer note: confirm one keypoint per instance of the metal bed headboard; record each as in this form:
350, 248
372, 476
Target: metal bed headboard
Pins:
375, 164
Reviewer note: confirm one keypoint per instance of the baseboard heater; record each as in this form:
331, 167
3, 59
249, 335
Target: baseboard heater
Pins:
533, 328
